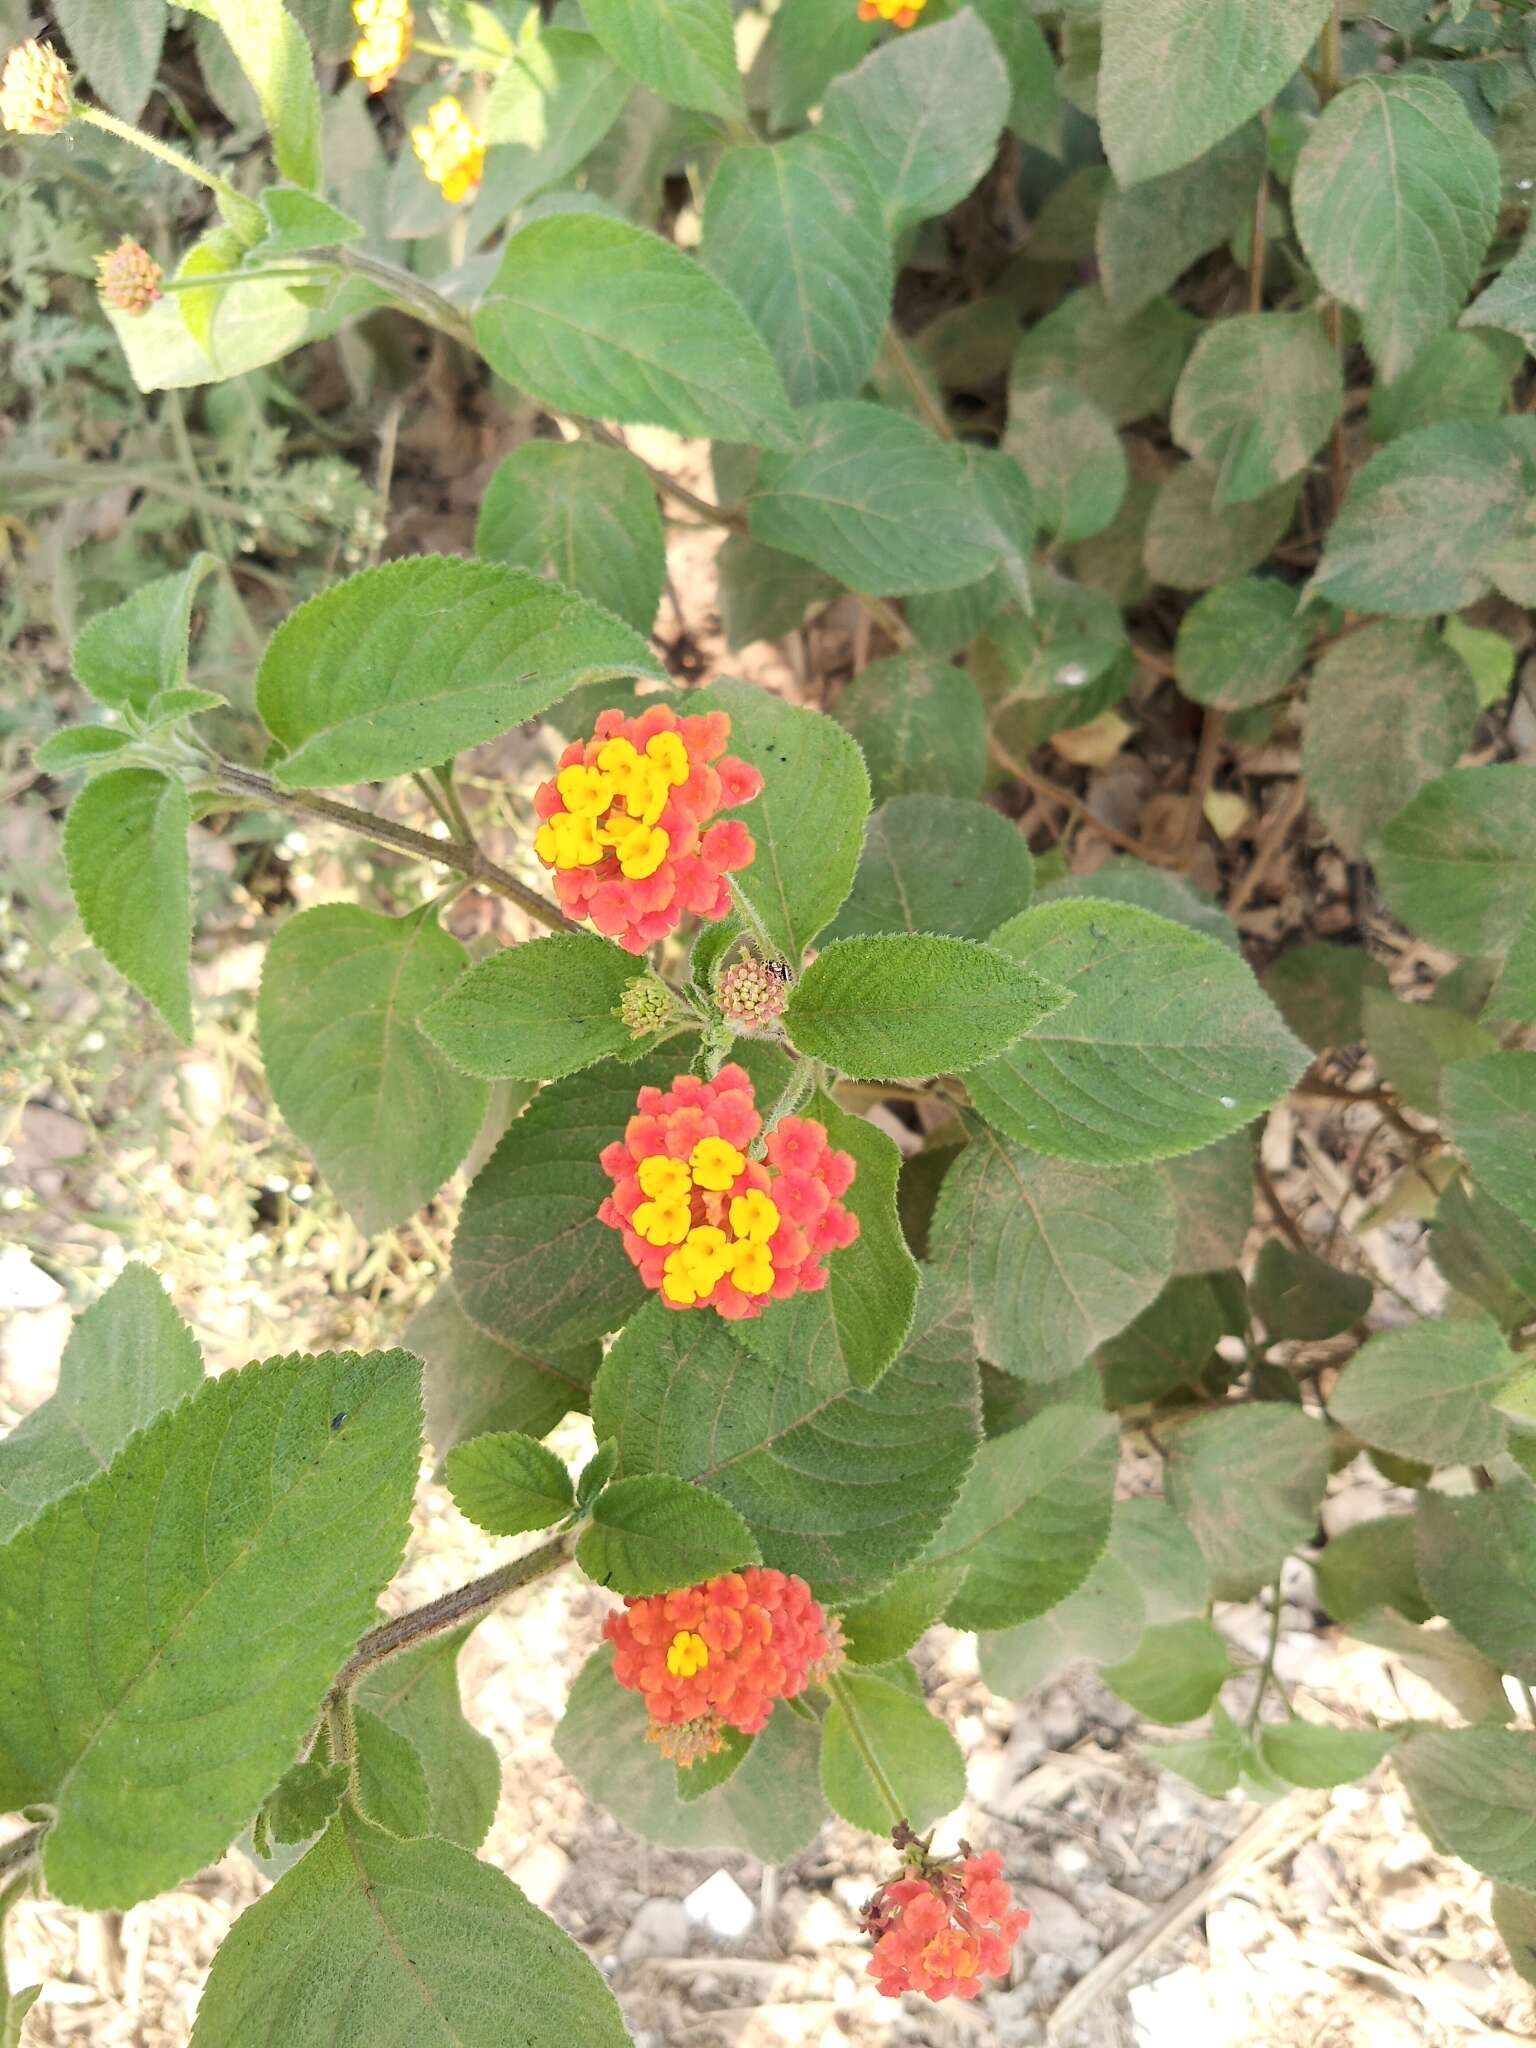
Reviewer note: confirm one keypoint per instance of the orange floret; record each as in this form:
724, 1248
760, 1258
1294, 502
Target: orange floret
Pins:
943, 1926
626, 823
903, 12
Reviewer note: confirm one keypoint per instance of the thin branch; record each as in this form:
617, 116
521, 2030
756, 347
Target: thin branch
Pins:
713, 515
450, 1610
22, 1851
934, 416
1212, 731
1260, 241
1282, 1215
1267, 1668
449, 853
1054, 793
1273, 837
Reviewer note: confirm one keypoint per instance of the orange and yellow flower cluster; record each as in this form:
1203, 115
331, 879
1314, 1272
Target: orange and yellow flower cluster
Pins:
128, 277
451, 149
709, 1227
943, 1928
720, 1655
626, 823
385, 42
34, 91
903, 12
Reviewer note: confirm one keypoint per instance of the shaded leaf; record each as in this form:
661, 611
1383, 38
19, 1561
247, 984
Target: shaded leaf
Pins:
475, 1382
1476, 1560
1256, 400
1248, 1480
920, 1759
1474, 1792
1069, 450
125, 849
1304, 1299
1490, 1106
126, 656
1241, 644
581, 515
555, 98
1425, 1392
1174, 1673
117, 47
1193, 543
1128, 367
937, 864
920, 725
417, 1694
684, 50
1371, 1566
1150, 233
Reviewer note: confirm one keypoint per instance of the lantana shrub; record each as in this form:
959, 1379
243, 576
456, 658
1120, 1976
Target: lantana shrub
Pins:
1229, 421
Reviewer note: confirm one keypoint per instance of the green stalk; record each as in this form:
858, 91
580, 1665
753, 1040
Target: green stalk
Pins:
867, 1757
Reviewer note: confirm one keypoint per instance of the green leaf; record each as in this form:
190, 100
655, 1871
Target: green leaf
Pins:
1299, 1298
1248, 1481
1033, 1518
1413, 1044
506, 1483
1318, 989
873, 498
937, 864
1069, 450
417, 1695
536, 1011
1054, 1257
129, 1357
387, 1117
864, 1313
126, 656
598, 317
1102, 1622
1425, 1393
551, 105
391, 1778
1241, 644
1256, 400
1474, 1793
921, 726
1490, 1107
1510, 301
1212, 1763
653, 1533
125, 848
214, 255
581, 515
154, 1727
532, 1264
1513, 1000
796, 232
1371, 1566
765, 594
79, 746
255, 324
1194, 543
1215, 63
883, 1007
1162, 1556
842, 1487
924, 113
811, 770
880, 1630
400, 1941
1487, 654
117, 47
1167, 1045
683, 50
919, 1758
298, 221
771, 1805
276, 59
1457, 376
1212, 1195
1476, 1560
1486, 1254
1514, 1915
1399, 680
1123, 880
1149, 234
1128, 367
305, 1799
1458, 864
1170, 1346
1396, 197
1174, 1673
401, 666
475, 1382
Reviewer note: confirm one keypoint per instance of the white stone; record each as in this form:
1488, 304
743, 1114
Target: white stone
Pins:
720, 1905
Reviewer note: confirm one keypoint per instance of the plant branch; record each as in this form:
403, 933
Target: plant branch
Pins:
450, 1610
1272, 838
21, 1851
189, 167
465, 859
1054, 793
413, 293
934, 416
867, 1756
1267, 1668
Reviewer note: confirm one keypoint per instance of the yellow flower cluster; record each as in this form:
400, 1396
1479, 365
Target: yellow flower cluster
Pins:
385, 42
451, 148
903, 12
705, 1254
34, 91
582, 833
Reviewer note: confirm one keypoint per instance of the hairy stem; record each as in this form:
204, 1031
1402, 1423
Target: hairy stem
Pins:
867, 1757
450, 1610
97, 117
1267, 1669
464, 858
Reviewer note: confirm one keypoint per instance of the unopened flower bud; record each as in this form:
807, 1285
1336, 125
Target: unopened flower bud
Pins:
128, 277
34, 91
750, 995
646, 1005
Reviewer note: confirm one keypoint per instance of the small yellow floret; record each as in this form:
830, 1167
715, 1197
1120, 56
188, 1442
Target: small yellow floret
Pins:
687, 1654
385, 42
569, 842
586, 791
715, 1163
641, 848
451, 148
34, 91
754, 1217
617, 758
669, 754
665, 1222
664, 1179
751, 1267
646, 797
692, 1271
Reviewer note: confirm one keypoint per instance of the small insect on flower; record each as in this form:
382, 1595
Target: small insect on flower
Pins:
451, 149
709, 1227
944, 1924
627, 823
903, 12
128, 277
720, 1655
34, 91
385, 42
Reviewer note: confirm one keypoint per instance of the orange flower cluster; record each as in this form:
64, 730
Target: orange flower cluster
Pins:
128, 277
385, 42
720, 1655
34, 91
903, 12
943, 1927
709, 1227
626, 823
